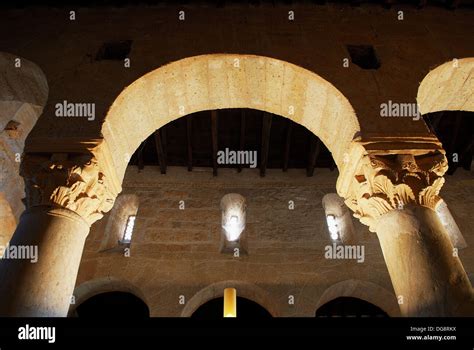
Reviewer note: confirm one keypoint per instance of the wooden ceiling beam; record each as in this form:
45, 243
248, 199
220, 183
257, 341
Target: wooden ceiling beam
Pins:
286, 151
159, 144
140, 161
455, 132
189, 137
453, 142
315, 149
242, 135
214, 130
266, 128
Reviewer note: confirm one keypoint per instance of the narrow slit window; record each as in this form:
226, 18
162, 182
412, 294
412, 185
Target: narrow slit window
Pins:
127, 235
338, 219
333, 227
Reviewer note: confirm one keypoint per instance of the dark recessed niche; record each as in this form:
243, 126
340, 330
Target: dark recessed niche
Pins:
349, 307
113, 305
364, 56
246, 310
114, 50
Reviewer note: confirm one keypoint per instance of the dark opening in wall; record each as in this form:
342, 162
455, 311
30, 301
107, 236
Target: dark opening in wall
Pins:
114, 50
364, 56
349, 307
455, 130
246, 309
121, 305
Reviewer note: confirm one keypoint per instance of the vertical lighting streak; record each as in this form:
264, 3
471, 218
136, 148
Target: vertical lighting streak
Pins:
127, 237
230, 302
333, 227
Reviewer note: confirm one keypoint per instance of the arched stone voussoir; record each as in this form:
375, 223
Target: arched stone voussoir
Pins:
364, 290
218, 81
244, 289
448, 87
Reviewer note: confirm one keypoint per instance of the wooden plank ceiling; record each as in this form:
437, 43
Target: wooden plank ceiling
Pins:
194, 140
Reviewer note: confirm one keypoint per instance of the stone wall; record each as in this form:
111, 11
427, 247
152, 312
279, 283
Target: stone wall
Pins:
176, 252
315, 40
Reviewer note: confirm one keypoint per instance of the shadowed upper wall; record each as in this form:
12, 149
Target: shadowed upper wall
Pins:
316, 40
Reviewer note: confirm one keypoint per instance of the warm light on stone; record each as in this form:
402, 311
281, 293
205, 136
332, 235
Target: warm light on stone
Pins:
333, 227
230, 302
389, 172
233, 215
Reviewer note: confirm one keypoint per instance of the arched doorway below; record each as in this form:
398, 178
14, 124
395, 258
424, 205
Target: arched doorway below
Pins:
113, 305
246, 309
350, 307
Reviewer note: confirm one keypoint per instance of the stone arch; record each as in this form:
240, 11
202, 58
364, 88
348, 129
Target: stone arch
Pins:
23, 95
244, 289
93, 287
218, 81
368, 291
448, 87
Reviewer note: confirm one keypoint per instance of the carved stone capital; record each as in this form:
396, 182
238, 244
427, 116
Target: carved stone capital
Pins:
390, 181
74, 182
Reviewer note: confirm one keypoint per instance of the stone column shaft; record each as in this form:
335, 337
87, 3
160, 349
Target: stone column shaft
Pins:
64, 196
395, 191
43, 288
427, 275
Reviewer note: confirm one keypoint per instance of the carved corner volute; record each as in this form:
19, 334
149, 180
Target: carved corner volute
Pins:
382, 180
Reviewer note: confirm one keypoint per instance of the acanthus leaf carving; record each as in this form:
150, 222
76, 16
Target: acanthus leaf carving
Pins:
76, 183
394, 181
428, 196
